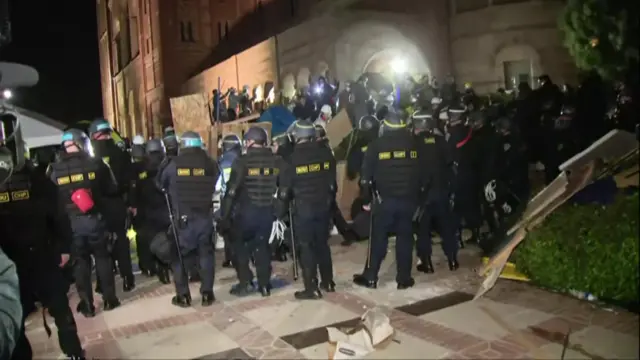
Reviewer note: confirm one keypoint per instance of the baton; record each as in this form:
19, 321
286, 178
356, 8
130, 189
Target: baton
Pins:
294, 254
175, 238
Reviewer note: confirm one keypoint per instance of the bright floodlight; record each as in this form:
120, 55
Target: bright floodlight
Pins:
7, 94
399, 66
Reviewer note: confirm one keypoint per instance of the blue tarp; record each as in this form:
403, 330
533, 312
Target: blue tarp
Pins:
280, 118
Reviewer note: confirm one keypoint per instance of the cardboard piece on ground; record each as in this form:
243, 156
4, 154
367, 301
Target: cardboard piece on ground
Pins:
374, 332
338, 128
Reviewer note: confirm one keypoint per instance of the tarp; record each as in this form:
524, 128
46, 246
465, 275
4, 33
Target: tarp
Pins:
39, 130
280, 118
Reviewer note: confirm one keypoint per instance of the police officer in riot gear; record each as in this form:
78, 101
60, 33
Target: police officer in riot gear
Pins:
171, 144
248, 210
189, 180
231, 147
283, 145
392, 181
28, 203
150, 210
137, 148
83, 184
308, 185
438, 164
368, 127
115, 211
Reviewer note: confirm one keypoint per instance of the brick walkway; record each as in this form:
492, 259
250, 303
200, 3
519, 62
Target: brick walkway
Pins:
435, 319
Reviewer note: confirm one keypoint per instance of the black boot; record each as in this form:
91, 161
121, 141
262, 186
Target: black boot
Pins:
86, 309
453, 263
183, 301
98, 288
265, 290
426, 266
362, 280
242, 289
329, 286
163, 275
227, 264
195, 277
406, 284
208, 298
128, 283
111, 304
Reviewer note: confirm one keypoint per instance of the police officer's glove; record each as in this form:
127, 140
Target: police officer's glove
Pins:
490, 191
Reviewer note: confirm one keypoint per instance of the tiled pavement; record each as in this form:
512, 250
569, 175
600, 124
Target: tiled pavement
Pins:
435, 319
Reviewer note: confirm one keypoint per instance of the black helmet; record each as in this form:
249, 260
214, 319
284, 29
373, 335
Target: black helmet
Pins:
321, 132
477, 119
368, 122
230, 142
170, 142
77, 137
423, 121
137, 151
256, 134
503, 125
303, 130
457, 113
99, 126
191, 139
393, 121
155, 145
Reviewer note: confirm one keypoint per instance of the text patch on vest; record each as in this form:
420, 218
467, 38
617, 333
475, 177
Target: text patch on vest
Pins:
4, 197
142, 175
184, 172
261, 171
429, 140
387, 155
310, 168
20, 195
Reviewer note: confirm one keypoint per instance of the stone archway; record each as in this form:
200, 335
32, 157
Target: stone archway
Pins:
302, 80
288, 86
373, 45
519, 53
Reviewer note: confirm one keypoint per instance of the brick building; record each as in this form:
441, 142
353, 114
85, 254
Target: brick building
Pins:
153, 50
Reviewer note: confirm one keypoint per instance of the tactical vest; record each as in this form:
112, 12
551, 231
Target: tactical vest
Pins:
150, 197
195, 180
15, 195
261, 178
397, 171
76, 173
314, 167
114, 157
434, 159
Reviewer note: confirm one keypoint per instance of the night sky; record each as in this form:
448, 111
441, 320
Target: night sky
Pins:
59, 39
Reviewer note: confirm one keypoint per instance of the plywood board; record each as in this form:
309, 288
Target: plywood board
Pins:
338, 128
191, 113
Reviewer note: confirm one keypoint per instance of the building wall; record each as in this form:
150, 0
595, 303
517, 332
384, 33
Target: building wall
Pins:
486, 33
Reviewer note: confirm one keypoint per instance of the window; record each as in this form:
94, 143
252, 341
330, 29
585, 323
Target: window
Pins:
117, 56
148, 45
186, 32
134, 36
226, 29
516, 72
219, 31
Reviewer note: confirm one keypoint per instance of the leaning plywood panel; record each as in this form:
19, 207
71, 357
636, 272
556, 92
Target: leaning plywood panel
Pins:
191, 113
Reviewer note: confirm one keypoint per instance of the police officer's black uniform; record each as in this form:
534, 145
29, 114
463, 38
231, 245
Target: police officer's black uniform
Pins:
83, 183
393, 180
28, 203
309, 185
115, 210
151, 212
437, 209
189, 179
249, 201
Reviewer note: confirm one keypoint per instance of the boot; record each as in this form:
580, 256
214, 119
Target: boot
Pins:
111, 304
242, 289
265, 291
329, 286
183, 301
208, 298
98, 288
128, 283
362, 280
426, 266
453, 263
195, 277
163, 275
308, 294
403, 285
227, 264
85, 309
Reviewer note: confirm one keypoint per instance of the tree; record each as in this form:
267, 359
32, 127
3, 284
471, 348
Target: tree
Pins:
602, 35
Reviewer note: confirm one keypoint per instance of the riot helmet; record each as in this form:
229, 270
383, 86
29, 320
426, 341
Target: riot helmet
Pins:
78, 138
368, 123
392, 122
477, 119
503, 125
423, 120
303, 130
230, 142
155, 145
457, 114
191, 139
170, 142
99, 126
137, 151
256, 136
321, 132
138, 140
